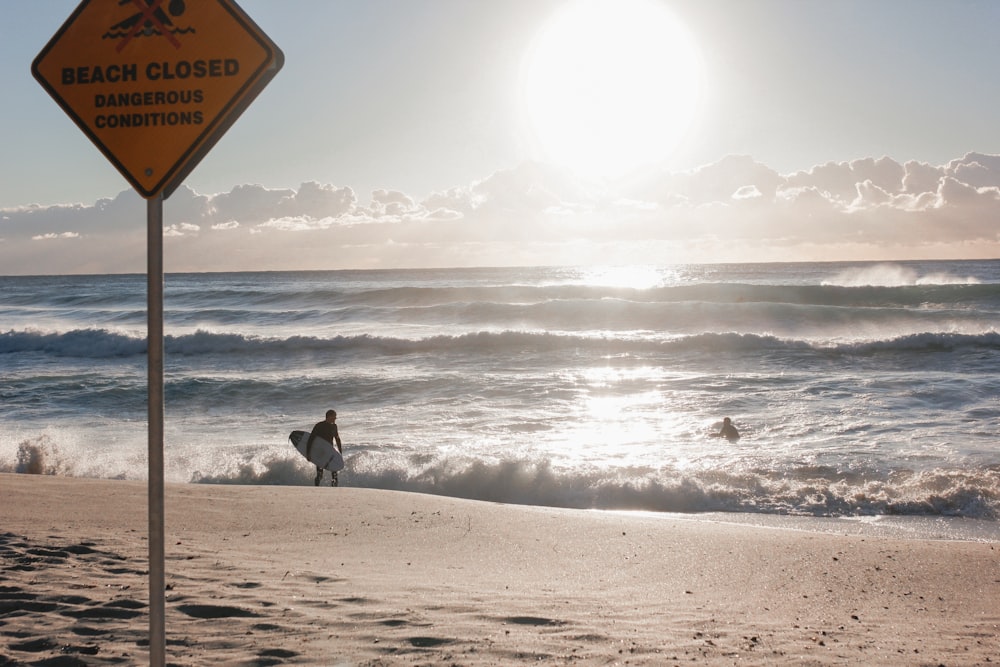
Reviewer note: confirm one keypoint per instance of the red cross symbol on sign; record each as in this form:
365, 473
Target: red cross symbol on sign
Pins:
149, 15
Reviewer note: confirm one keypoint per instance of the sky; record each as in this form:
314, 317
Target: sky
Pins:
439, 133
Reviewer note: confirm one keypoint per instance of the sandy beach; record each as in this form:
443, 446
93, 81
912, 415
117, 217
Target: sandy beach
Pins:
262, 575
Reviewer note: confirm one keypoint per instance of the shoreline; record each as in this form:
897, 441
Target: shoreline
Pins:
306, 575
897, 526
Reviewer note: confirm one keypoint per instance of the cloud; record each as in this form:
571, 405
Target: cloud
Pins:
920, 177
976, 169
318, 201
709, 184
747, 192
389, 203
180, 229
53, 236
248, 204
840, 179
735, 209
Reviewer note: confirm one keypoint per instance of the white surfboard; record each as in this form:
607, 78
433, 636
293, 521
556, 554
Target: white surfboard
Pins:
321, 453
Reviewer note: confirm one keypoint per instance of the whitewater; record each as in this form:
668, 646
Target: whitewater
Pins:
863, 391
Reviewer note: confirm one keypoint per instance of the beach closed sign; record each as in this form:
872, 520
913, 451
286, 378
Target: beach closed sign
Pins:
156, 83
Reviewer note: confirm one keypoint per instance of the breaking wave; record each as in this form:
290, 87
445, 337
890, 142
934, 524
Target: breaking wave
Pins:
805, 490
101, 343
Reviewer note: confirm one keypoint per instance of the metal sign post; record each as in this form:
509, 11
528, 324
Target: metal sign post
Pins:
157, 569
155, 85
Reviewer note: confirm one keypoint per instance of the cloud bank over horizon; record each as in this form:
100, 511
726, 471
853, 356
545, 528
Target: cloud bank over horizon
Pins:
733, 210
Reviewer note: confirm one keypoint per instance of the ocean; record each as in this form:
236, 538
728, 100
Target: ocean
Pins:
865, 393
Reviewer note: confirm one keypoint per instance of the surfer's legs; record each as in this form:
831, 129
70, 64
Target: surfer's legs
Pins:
319, 477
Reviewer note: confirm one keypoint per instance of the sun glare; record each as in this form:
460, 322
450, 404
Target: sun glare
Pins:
611, 85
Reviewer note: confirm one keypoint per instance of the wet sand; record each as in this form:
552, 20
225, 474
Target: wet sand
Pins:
260, 575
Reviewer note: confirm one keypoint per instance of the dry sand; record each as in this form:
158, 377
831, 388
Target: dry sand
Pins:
262, 575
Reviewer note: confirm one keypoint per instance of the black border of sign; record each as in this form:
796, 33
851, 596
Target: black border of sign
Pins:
199, 148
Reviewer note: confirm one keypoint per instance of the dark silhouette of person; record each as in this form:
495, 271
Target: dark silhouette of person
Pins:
326, 429
729, 431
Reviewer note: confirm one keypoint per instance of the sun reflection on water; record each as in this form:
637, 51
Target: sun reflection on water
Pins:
628, 417
635, 276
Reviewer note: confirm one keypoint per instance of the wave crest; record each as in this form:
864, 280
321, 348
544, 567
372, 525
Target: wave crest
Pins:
101, 343
811, 492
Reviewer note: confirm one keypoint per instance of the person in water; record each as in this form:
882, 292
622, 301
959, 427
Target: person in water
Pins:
729, 431
326, 429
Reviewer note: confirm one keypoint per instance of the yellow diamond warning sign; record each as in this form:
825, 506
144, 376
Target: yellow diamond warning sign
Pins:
156, 83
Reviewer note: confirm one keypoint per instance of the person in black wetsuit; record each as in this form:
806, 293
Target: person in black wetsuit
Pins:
326, 429
728, 431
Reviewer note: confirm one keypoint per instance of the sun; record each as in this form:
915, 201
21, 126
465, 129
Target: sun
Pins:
611, 85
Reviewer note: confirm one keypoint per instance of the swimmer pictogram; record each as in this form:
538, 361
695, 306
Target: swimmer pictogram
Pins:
150, 20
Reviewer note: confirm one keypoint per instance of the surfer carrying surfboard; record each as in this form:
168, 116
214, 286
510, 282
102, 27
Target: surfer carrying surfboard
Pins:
327, 430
